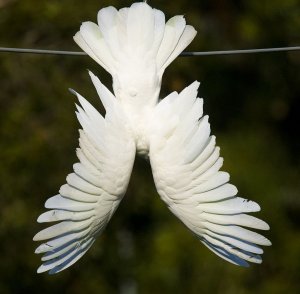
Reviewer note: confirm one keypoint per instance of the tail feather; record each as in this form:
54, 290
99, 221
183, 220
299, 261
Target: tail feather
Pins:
92, 41
185, 39
121, 20
108, 24
140, 27
136, 33
159, 29
173, 31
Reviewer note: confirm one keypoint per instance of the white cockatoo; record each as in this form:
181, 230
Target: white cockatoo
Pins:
135, 45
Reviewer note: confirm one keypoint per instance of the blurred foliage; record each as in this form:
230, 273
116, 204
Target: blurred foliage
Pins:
253, 102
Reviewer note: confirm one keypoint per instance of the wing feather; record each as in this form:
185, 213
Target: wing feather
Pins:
60, 215
186, 169
94, 190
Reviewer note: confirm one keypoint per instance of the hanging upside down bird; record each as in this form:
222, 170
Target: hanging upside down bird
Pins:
135, 45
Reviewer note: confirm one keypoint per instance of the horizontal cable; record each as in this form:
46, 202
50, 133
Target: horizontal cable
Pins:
200, 53
241, 51
41, 51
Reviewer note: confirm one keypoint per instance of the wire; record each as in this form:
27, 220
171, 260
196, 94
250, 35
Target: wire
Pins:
242, 51
41, 51
186, 54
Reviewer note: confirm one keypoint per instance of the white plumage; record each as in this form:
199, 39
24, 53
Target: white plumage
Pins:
135, 46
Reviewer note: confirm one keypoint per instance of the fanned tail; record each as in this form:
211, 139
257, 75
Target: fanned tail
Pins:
138, 36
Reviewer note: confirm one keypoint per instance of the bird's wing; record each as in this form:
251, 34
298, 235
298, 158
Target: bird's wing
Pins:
94, 190
185, 164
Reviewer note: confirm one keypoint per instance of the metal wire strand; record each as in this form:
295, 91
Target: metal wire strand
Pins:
186, 54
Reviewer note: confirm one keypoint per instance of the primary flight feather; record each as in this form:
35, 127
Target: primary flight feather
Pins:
135, 45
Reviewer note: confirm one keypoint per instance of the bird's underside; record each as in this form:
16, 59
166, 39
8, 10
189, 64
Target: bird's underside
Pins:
173, 133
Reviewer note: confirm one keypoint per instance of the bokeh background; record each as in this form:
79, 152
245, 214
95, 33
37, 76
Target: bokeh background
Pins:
254, 107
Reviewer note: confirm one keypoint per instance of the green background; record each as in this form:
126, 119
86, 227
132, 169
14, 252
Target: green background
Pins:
254, 107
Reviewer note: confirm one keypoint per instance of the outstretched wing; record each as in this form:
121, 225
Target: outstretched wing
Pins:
185, 164
94, 190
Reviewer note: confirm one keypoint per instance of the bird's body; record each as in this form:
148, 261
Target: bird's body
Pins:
135, 45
